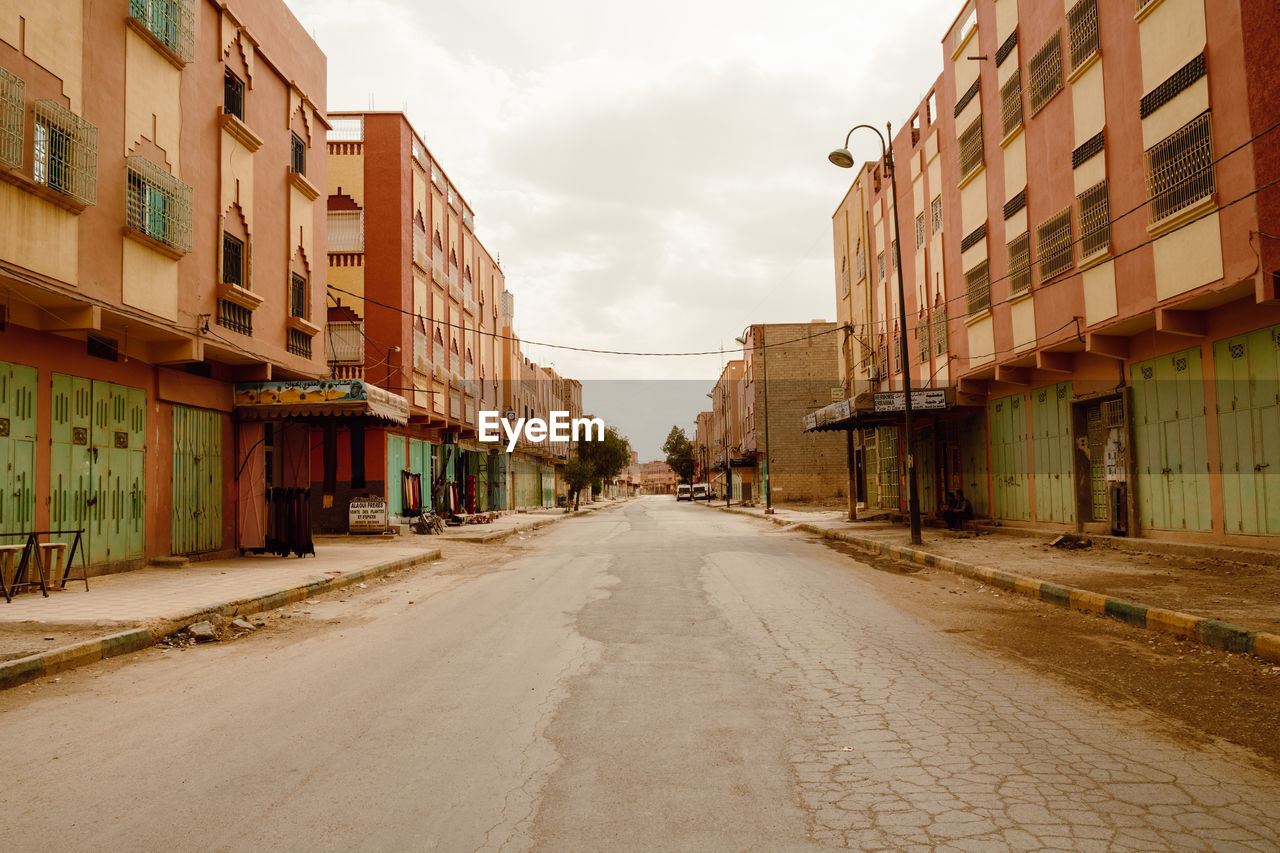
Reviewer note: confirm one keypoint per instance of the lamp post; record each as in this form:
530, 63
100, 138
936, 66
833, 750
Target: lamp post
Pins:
842, 158
764, 378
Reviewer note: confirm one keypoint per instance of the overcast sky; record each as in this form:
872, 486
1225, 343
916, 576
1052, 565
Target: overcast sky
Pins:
654, 176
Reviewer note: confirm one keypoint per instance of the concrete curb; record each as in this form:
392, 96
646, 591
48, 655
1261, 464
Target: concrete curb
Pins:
22, 670
499, 535
1198, 629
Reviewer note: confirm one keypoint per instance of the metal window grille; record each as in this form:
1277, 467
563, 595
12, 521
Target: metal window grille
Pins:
1013, 205
1088, 149
1095, 220
235, 317
232, 94
1082, 26
861, 263
880, 264
977, 288
971, 153
1053, 241
969, 95
172, 22
13, 108
346, 230
973, 238
893, 256
896, 346
922, 338
232, 260
1007, 48
1011, 103
1045, 72
65, 149
1180, 168
345, 130
940, 343
936, 209
298, 155
420, 256
844, 281
1020, 263
158, 204
1178, 81
298, 301
345, 341
919, 230
884, 357
298, 343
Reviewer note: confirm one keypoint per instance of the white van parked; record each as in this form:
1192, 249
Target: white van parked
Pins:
684, 493
700, 492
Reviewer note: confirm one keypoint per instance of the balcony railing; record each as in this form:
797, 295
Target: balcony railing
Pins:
345, 342
470, 305
420, 256
437, 355
455, 292
454, 279
421, 351
346, 371
437, 267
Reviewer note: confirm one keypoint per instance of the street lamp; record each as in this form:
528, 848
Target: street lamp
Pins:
842, 158
764, 369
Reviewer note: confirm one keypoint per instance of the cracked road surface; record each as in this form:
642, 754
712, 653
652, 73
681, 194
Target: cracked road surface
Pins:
656, 677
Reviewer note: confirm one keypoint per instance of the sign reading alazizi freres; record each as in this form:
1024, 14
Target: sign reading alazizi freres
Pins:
560, 427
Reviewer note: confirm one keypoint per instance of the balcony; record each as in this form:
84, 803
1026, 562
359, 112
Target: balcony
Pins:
437, 355
455, 281
437, 266
470, 305
420, 256
346, 371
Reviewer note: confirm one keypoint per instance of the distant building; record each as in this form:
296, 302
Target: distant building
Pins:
657, 478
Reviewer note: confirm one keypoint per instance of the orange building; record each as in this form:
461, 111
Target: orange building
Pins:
159, 165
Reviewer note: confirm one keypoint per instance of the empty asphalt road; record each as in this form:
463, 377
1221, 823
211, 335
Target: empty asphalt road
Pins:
655, 677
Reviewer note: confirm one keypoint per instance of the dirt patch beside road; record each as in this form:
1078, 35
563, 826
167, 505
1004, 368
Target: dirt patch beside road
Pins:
1206, 693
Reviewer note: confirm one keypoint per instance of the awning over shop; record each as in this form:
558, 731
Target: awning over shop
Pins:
884, 407
307, 398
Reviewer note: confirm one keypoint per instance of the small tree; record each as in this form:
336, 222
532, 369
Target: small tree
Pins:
578, 474
606, 458
680, 457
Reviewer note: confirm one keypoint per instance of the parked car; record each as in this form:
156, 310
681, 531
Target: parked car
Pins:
700, 492
684, 493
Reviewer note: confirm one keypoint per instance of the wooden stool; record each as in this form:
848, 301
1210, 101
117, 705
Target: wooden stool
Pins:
8, 557
53, 568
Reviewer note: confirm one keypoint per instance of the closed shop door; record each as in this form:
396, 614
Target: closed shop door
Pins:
1051, 444
926, 469
1009, 458
17, 449
97, 466
973, 464
420, 464
1248, 385
197, 480
1170, 442
890, 473
397, 464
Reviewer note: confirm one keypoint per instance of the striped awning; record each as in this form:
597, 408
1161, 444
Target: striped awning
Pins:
308, 398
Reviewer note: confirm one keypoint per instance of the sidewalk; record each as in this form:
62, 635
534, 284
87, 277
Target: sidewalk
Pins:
519, 522
1207, 598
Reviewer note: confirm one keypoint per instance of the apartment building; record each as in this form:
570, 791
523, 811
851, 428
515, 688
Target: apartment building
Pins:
726, 429
655, 478
1108, 169
788, 370
415, 309
158, 171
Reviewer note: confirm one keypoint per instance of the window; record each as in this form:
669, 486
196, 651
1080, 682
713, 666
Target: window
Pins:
977, 288
298, 155
844, 277
919, 231
232, 260
896, 346
880, 264
893, 256
1095, 220
922, 338
860, 262
884, 357
65, 152
157, 204
1180, 168
232, 95
172, 22
1011, 104
940, 343
1020, 263
346, 231
299, 304
1053, 239
936, 210
971, 154
1045, 73
13, 107
1082, 26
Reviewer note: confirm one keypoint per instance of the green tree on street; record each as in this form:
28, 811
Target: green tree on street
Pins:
680, 457
605, 458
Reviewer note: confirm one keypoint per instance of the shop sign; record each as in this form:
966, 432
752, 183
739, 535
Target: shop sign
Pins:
896, 401
367, 515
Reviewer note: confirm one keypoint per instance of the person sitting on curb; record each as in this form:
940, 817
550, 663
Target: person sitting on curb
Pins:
958, 511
